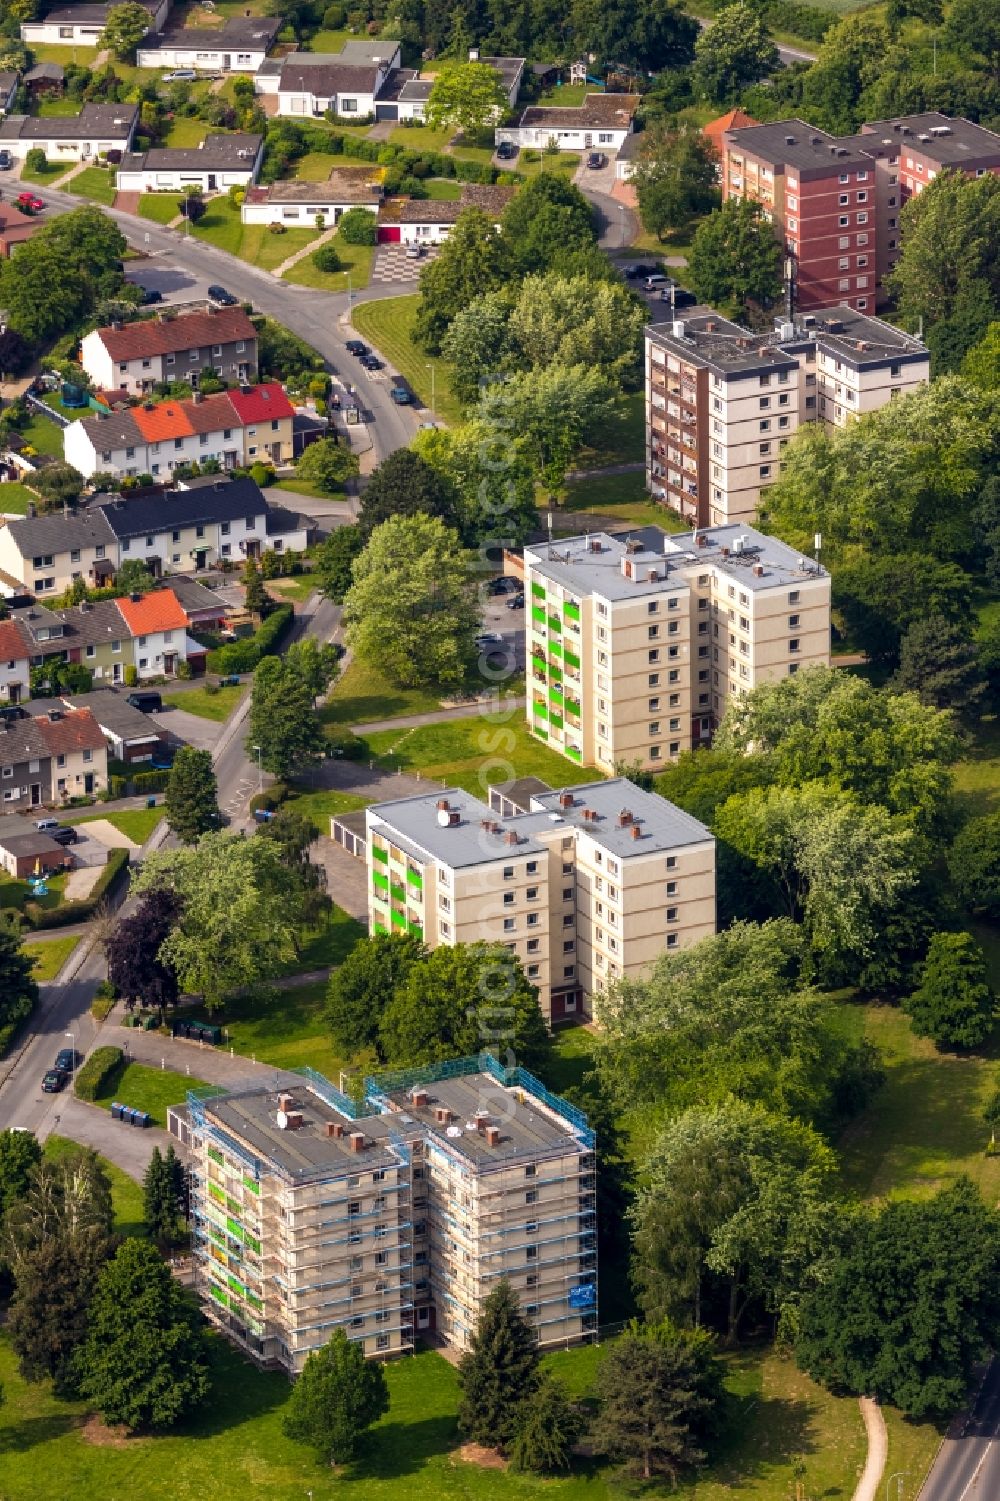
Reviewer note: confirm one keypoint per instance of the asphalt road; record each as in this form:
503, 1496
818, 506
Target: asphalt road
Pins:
968, 1464
183, 263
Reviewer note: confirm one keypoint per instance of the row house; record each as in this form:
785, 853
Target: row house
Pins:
134, 357
602, 122
216, 164
147, 632
239, 46
50, 758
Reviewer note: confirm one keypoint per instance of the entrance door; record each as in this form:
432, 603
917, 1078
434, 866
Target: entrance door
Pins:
116, 673
212, 182
588, 141
169, 664
36, 794
14, 693
88, 781
227, 62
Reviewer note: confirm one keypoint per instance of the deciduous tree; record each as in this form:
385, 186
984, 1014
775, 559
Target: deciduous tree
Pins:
735, 50
18, 991
124, 29
362, 988
19, 1154
327, 465
880, 597
334, 559
338, 1396
467, 96
284, 727
499, 1371
953, 1003
735, 257
648, 36
545, 220
553, 411
974, 864
192, 800
676, 178
136, 970
472, 260
404, 484
492, 477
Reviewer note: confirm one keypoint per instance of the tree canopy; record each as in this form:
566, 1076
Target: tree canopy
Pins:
362, 988
675, 178
953, 1003
736, 49
337, 1397
468, 96
736, 259
192, 800
498, 1373
404, 484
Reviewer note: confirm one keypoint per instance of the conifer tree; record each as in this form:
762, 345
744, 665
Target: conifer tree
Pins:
498, 1372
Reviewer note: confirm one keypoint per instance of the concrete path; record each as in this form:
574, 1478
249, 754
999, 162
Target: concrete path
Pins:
192, 1059
878, 1449
300, 255
128, 1147
126, 203
74, 171
438, 716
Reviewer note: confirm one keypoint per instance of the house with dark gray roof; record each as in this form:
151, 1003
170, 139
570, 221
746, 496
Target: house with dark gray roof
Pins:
47, 553
96, 130
240, 46
8, 90
222, 161
81, 25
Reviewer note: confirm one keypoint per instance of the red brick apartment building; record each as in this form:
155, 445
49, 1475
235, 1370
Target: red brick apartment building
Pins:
835, 200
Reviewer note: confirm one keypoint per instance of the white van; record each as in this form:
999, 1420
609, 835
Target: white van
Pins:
46, 825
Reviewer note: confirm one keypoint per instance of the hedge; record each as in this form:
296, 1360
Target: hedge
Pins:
271, 799
98, 1073
84, 909
383, 153
244, 656
103, 1003
135, 786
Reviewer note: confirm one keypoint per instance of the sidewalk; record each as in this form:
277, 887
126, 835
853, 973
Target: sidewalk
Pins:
438, 716
878, 1449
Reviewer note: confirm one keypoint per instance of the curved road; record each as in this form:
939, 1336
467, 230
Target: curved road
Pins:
321, 318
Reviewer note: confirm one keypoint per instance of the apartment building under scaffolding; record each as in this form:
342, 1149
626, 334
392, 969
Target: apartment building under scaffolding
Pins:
393, 1217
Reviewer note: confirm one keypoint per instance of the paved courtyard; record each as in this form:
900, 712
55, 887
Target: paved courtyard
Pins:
392, 263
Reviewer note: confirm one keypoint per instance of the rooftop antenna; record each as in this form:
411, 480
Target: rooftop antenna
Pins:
817, 544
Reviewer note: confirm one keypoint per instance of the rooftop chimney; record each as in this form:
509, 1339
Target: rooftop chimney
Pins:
492, 1136
442, 1114
565, 799
357, 1141
636, 831
758, 570
54, 716
286, 1102
418, 1098
293, 1120
624, 818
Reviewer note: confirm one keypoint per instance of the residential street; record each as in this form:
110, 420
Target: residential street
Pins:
968, 1464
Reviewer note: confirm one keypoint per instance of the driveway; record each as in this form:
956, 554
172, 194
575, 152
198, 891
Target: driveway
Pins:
617, 225
188, 729
91, 848
392, 263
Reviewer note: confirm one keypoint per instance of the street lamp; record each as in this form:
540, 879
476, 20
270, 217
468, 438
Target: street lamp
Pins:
898, 1477
260, 769
72, 1038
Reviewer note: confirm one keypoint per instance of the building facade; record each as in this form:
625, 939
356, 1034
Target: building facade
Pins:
602, 121
240, 46
135, 356
722, 402
397, 1215
636, 642
585, 885
82, 25
96, 130
220, 162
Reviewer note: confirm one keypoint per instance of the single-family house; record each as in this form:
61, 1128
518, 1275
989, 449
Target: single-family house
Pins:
135, 356
219, 163
25, 765
509, 69
8, 89
159, 627
25, 851
240, 46
81, 25
205, 609
311, 84
265, 415
92, 634
46, 554
96, 130
15, 675
15, 231
289, 531
131, 735
404, 97
429, 221
628, 155
601, 122
298, 203
187, 530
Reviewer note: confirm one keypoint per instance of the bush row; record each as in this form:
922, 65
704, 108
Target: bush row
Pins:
243, 656
84, 909
289, 139
136, 786
98, 1073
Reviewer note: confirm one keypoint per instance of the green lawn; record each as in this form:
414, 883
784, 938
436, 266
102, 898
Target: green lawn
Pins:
420, 137
356, 261
150, 1089
564, 163
282, 1027
126, 1193
48, 173
568, 95
361, 695
321, 804
95, 184
389, 326
217, 706
327, 945
460, 750
59, 108
623, 497
15, 499
50, 52
262, 247
13, 894
43, 435
160, 207
297, 586
50, 954
626, 439
188, 130
316, 166
443, 188
135, 823
977, 777
221, 226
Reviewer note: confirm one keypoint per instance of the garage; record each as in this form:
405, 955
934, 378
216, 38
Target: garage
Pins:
390, 234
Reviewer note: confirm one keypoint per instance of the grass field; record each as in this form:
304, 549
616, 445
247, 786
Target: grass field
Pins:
361, 695
149, 1089
356, 261
623, 497
327, 945
135, 823
563, 163
43, 435
443, 189
58, 108
420, 138
160, 207
296, 586
389, 326
316, 166
188, 130
626, 440
977, 777
126, 1193
472, 753
50, 954
14, 499
319, 805
94, 184
284, 1028
43, 175
217, 706
13, 894
221, 226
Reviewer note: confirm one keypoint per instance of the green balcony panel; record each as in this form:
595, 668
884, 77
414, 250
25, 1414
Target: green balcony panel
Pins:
218, 1294
538, 590
252, 1184
214, 1192
537, 613
416, 930
378, 854
570, 660
415, 879
398, 920
542, 734
571, 612
555, 649
380, 881
253, 1244
379, 927
572, 751
555, 720
555, 624
398, 892
216, 1156
540, 711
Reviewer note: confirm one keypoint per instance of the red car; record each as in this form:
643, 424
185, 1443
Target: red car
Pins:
29, 203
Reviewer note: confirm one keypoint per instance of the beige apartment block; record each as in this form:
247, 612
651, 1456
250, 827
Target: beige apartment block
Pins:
637, 641
392, 1217
584, 885
722, 402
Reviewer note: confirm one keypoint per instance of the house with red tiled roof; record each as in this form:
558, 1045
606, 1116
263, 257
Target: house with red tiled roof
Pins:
266, 416
78, 751
158, 625
733, 119
15, 674
135, 356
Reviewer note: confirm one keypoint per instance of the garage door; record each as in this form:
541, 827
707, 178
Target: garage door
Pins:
389, 234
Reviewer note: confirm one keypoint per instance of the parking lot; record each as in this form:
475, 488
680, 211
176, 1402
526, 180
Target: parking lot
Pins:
163, 275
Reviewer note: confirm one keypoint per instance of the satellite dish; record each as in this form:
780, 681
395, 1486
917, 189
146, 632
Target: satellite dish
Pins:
444, 817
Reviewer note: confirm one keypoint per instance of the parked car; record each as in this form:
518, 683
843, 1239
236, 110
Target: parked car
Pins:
222, 297
67, 1060
232, 681
65, 835
147, 702
505, 584
149, 296
6, 161
515, 601
54, 1081
596, 159
372, 362
46, 825
414, 252
488, 638
356, 347
29, 203
402, 396
656, 281
179, 75
506, 151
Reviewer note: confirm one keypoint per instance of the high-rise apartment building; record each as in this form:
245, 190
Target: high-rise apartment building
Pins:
584, 885
722, 401
395, 1216
636, 642
835, 201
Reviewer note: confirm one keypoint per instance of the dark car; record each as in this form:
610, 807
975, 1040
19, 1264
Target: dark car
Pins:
6, 161
515, 601
54, 1081
232, 681
596, 159
356, 347
149, 296
505, 584
65, 835
147, 703
506, 151
222, 297
66, 1060
644, 269
371, 362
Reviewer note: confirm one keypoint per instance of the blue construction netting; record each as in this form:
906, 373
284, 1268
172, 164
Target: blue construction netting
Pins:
334, 1096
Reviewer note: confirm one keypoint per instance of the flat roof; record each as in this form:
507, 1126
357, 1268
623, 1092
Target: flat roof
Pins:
735, 549
951, 140
592, 564
113, 712
705, 337
621, 807
520, 790
526, 1129
794, 143
610, 110
344, 185
413, 823
305, 1152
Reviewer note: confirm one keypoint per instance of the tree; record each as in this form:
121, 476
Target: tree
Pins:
412, 607
295, 834
326, 464
15, 353
164, 1189
58, 485
362, 988
675, 178
338, 1396
953, 1004
358, 226
974, 864
67, 1197
659, 1391
735, 257
192, 206
991, 1115
498, 1373
974, 26
255, 596
459, 1000
876, 1321
472, 260
285, 732
467, 97
546, 219
238, 922
133, 577
492, 477
478, 344
645, 36
125, 28
192, 799
937, 662
44, 295
334, 557
554, 411
18, 991
571, 320
136, 970
404, 484
880, 597
854, 52
547, 1428
735, 50
314, 663
19, 1154
143, 1363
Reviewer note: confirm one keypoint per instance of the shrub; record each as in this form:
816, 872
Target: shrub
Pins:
271, 799
185, 671
36, 161
333, 18
131, 676
342, 741
243, 656
103, 1003
358, 227
98, 1074
276, 228
326, 258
